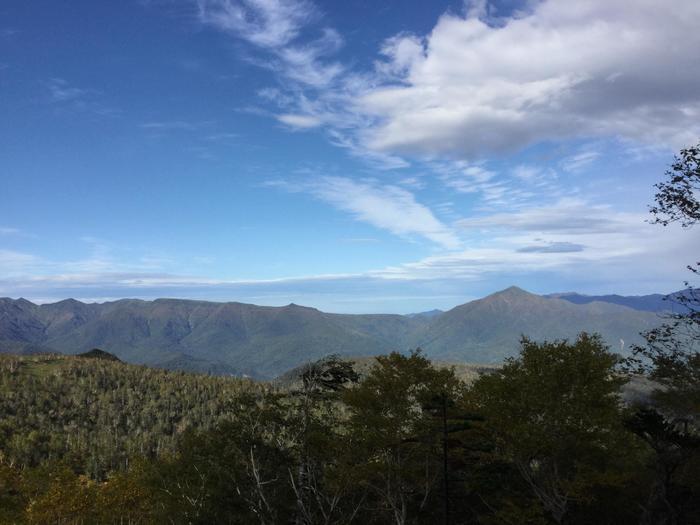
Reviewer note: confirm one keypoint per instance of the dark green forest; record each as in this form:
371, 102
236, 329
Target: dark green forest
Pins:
544, 439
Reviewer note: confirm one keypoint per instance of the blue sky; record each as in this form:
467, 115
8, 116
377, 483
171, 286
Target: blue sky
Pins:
338, 154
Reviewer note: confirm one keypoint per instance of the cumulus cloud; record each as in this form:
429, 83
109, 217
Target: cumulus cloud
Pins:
477, 85
589, 68
387, 207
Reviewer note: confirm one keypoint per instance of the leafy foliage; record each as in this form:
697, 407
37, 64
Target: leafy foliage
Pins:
671, 357
677, 198
95, 441
555, 414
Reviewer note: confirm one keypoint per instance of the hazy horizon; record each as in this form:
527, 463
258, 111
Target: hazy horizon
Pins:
272, 303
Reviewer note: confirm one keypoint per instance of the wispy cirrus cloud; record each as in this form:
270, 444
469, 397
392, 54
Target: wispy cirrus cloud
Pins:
299, 121
274, 27
264, 23
579, 160
61, 91
67, 96
553, 247
387, 207
14, 262
175, 125
9, 32
630, 258
567, 215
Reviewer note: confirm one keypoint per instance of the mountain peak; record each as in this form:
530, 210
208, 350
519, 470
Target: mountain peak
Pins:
299, 308
512, 291
70, 301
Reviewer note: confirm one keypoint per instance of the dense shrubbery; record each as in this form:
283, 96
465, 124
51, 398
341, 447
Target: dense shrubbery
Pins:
545, 439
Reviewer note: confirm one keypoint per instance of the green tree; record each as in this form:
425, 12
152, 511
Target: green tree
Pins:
12, 499
675, 466
671, 357
387, 424
319, 480
555, 414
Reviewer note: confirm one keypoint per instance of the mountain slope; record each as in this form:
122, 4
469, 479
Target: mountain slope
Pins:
261, 341
199, 335
489, 329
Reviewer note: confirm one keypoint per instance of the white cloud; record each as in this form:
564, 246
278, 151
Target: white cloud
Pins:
265, 23
387, 207
402, 50
464, 177
299, 121
303, 63
14, 263
619, 249
527, 173
476, 86
69, 97
565, 70
632, 257
579, 160
61, 91
174, 125
566, 216
274, 26
553, 247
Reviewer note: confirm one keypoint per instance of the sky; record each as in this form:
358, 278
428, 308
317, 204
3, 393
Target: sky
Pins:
352, 156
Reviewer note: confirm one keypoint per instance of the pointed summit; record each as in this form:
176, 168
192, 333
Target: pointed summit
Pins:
514, 289
511, 292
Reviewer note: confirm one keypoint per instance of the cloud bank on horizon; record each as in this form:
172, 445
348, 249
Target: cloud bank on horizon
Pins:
502, 145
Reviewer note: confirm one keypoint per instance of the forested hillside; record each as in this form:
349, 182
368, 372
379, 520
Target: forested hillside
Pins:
544, 439
95, 413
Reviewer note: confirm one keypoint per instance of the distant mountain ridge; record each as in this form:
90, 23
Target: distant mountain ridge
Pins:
648, 303
263, 341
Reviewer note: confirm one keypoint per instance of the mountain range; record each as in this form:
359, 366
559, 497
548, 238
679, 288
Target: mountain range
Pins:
651, 303
262, 341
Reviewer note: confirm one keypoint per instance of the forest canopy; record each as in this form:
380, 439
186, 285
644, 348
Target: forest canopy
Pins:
546, 438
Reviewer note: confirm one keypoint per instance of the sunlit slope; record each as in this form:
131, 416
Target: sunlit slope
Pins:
237, 338
488, 330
